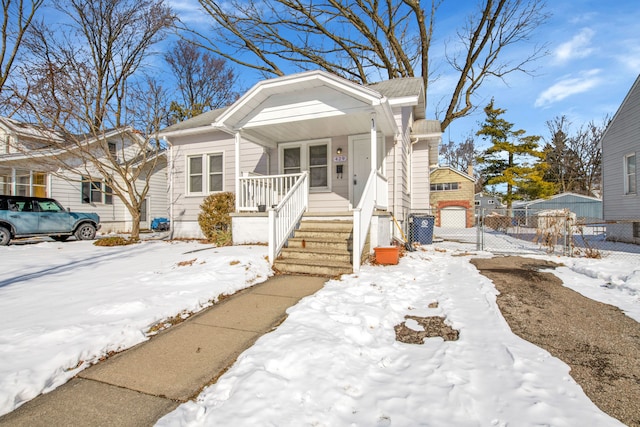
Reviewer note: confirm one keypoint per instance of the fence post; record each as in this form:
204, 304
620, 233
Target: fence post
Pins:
480, 229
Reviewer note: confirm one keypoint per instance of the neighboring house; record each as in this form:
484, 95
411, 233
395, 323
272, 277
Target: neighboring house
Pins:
310, 143
452, 197
487, 203
620, 151
25, 171
585, 208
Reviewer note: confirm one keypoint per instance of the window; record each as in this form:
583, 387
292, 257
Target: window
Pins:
215, 172
27, 183
144, 214
112, 148
476, 202
5, 185
23, 183
445, 186
39, 184
210, 166
195, 174
49, 206
95, 191
630, 174
291, 160
312, 156
318, 168
636, 229
108, 195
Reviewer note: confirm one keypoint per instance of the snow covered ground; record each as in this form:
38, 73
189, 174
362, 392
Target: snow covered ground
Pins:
334, 361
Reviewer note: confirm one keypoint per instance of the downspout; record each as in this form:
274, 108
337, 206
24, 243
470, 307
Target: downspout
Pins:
171, 163
236, 137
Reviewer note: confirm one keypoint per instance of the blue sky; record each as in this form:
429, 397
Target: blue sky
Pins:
594, 58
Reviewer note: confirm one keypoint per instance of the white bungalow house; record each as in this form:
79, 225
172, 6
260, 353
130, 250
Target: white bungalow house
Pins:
304, 153
27, 169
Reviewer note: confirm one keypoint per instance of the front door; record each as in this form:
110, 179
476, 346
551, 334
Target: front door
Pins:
144, 214
361, 166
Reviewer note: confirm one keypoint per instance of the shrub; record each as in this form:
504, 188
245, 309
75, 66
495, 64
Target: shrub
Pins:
113, 241
215, 219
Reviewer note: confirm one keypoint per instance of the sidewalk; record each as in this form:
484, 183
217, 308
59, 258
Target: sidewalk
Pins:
142, 384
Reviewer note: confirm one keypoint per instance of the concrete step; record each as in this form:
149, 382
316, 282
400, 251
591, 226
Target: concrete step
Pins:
316, 254
319, 243
316, 267
320, 234
344, 226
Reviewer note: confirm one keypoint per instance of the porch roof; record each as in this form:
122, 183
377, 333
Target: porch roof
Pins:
307, 105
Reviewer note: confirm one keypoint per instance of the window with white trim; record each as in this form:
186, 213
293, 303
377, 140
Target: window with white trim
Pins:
445, 186
630, 174
318, 166
311, 156
205, 173
215, 172
95, 191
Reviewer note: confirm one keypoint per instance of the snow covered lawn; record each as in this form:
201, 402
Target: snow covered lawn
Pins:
334, 361
65, 305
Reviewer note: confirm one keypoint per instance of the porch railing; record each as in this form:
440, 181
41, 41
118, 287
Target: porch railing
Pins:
375, 195
260, 190
284, 217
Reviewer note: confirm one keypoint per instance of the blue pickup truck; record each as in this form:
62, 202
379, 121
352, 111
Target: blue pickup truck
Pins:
35, 216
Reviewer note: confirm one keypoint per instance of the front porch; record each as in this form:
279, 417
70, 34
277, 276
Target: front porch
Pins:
270, 209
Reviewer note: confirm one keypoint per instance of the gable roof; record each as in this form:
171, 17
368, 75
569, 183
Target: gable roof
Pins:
634, 87
404, 90
28, 130
450, 169
201, 120
264, 102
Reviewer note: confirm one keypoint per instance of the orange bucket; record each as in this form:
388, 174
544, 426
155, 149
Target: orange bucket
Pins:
388, 255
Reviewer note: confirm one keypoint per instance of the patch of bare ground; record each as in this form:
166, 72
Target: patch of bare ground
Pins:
599, 342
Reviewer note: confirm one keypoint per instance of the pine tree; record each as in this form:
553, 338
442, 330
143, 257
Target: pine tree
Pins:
513, 159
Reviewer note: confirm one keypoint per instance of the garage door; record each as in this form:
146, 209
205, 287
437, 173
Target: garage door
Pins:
453, 217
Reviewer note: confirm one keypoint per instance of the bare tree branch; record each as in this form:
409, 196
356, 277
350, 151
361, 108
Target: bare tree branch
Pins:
366, 40
17, 16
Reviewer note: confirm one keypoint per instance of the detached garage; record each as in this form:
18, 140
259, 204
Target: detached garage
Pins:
453, 217
452, 197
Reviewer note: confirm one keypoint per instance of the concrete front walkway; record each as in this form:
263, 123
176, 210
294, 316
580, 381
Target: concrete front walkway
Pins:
140, 385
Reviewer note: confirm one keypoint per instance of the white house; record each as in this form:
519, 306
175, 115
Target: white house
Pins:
27, 169
310, 144
620, 150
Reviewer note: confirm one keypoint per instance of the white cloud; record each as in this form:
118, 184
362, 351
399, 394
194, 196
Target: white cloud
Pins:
568, 86
578, 47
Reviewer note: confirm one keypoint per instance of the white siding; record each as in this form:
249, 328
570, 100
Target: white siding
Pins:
420, 177
621, 138
187, 207
113, 217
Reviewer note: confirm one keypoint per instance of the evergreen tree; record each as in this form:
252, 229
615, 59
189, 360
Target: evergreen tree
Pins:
513, 159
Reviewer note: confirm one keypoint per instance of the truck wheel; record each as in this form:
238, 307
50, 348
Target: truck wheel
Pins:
85, 232
5, 236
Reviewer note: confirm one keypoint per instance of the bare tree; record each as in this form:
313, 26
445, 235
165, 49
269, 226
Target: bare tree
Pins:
95, 56
17, 16
459, 156
366, 40
574, 159
94, 95
204, 82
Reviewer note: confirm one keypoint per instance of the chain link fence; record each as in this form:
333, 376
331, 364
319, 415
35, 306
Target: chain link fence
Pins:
544, 231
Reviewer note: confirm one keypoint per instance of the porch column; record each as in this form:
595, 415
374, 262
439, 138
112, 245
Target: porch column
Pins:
237, 167
374, 153
374, 142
